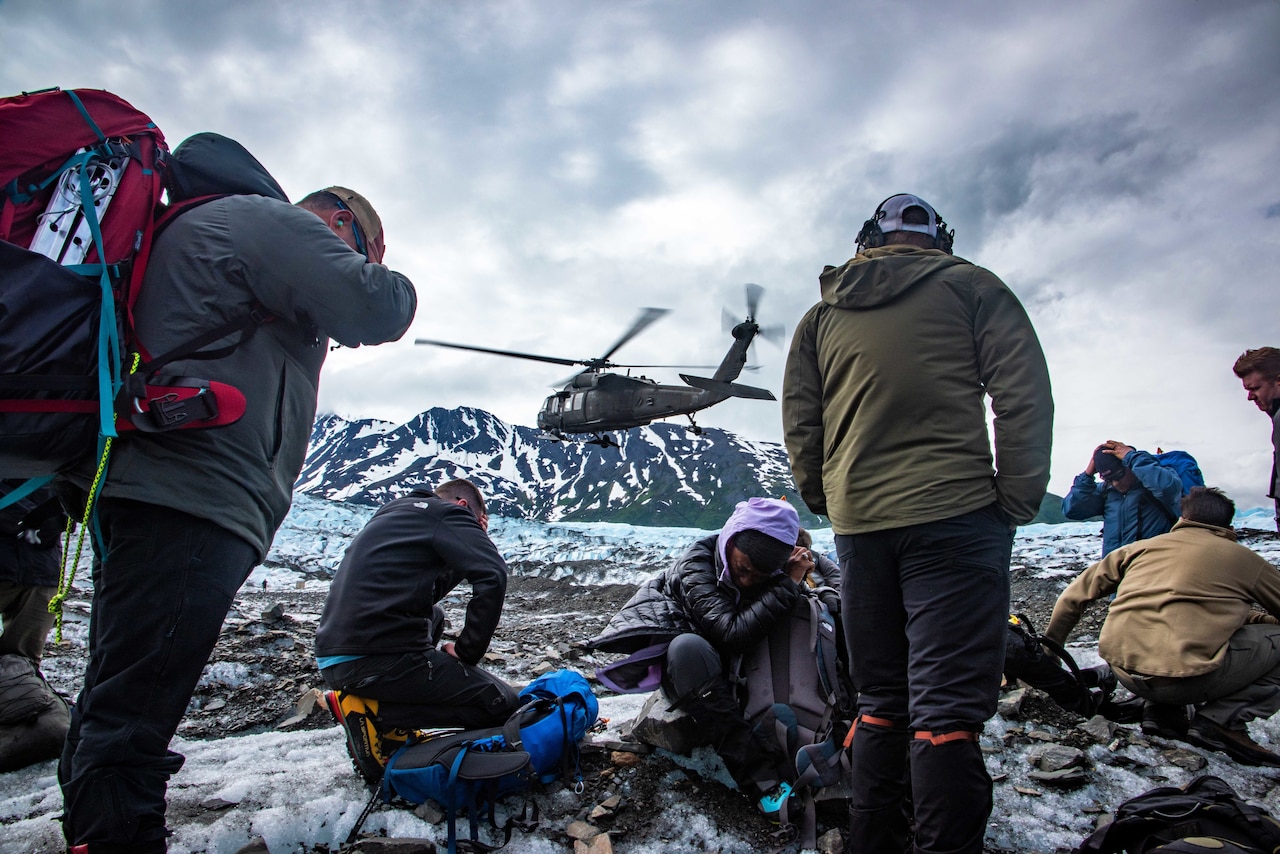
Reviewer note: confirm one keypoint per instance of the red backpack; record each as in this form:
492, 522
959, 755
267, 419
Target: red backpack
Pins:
82, 174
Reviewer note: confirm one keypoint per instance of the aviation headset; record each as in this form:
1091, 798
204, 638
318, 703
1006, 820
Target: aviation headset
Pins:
871, 237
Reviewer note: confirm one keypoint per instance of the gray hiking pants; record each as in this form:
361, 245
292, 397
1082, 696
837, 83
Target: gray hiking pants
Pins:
1246, 685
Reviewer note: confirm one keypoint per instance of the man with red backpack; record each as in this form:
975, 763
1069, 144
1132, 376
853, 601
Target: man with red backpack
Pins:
185, 515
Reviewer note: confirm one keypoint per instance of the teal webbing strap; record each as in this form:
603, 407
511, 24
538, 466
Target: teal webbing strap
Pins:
108, 340
75, 99
20, 197
23, 491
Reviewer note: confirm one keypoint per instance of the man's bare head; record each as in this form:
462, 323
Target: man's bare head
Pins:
466, 494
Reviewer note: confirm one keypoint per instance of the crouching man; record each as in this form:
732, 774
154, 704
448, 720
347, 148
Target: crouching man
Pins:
1182, 629
377, 640
720, 598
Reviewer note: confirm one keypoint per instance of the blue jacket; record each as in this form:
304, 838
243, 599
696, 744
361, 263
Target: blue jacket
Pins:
1132, 516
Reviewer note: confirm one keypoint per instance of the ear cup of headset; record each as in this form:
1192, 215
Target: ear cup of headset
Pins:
870, 236
945, 238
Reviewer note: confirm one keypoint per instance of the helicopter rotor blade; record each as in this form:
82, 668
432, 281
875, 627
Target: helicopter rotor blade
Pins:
727, 320
700, 367
774, 333
512, 353
647, 317
754, 292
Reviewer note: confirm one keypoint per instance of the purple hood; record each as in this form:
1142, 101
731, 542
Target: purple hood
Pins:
770, 516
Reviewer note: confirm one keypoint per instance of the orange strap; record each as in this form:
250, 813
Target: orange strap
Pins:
884, 722
945, 737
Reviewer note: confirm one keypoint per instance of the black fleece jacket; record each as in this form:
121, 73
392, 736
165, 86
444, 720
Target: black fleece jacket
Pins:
409, 556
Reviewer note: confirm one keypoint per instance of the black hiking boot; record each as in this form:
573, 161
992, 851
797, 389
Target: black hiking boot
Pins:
1164, 720
1123, 711
1236, 743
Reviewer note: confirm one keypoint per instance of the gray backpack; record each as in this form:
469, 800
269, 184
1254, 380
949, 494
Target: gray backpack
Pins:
793, 684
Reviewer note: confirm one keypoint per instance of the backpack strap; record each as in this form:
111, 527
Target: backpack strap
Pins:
23, 491
213, 404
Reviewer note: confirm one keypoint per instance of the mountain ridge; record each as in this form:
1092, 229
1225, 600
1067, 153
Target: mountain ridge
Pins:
658, 475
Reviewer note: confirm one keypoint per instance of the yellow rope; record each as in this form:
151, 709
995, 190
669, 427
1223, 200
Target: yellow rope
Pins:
68, 573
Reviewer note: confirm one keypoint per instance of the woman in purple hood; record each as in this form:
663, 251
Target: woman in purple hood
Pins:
720, 598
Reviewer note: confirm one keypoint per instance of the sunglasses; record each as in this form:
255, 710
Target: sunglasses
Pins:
361, 246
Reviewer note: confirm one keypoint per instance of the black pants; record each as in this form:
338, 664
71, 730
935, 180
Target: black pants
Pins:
924, 610
691, 662
160, 594
417, 690
694, 679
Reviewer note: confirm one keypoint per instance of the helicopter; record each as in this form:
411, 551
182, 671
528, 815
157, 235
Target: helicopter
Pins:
596, 401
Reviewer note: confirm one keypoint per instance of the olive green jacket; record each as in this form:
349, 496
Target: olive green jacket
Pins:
884, 398
1179, 599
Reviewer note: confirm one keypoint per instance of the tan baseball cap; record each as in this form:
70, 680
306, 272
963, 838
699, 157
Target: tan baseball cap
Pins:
365, 215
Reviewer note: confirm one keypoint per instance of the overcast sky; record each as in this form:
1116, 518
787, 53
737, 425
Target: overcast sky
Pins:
545, 169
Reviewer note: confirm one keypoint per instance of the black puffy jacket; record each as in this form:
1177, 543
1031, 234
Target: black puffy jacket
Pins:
691, 597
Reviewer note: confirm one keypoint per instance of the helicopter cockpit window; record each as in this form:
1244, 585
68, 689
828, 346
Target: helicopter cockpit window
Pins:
578, 400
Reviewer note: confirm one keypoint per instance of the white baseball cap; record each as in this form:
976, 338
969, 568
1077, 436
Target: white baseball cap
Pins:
889, 215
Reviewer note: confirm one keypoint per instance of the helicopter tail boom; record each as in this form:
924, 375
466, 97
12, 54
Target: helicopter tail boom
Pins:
728, 389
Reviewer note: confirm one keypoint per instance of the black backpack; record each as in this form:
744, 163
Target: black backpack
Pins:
1206, 814
1047, 665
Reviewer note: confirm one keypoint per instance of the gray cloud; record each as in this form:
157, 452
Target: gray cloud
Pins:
546, 168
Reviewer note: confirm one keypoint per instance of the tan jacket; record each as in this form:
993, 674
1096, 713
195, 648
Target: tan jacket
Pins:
1179, 599
884, 397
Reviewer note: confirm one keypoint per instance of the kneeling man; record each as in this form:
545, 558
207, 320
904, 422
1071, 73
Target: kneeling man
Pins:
1182, 629
376, 643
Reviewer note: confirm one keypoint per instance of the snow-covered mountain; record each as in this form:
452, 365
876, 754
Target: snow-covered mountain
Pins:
659, 475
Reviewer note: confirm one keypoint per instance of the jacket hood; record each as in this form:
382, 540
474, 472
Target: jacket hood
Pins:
876, 276
771, 516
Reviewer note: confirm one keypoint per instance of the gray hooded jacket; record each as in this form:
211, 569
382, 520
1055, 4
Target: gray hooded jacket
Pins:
214, 264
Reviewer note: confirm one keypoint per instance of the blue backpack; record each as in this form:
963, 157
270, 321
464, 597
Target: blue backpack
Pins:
470, 770
1185, 465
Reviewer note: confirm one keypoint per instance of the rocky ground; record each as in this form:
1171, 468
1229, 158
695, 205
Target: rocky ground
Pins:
263, 677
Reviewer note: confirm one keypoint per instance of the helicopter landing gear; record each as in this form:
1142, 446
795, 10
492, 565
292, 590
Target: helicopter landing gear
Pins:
605, 441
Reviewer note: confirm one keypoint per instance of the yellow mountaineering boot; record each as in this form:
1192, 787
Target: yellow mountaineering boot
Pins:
369, 743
